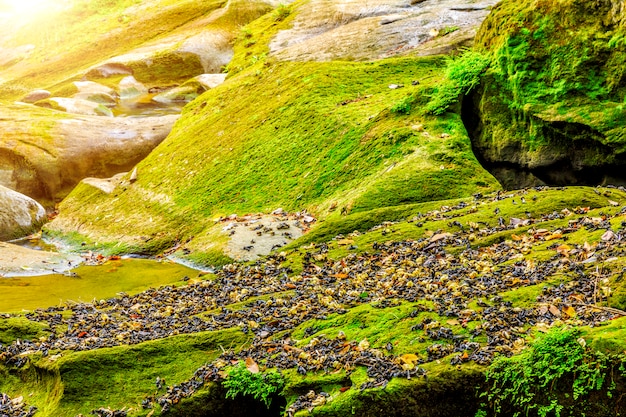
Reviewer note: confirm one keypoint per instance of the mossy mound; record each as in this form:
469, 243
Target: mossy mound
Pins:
551, 107
327, 138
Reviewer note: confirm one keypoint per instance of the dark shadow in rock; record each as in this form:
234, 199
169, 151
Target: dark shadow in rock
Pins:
574, 152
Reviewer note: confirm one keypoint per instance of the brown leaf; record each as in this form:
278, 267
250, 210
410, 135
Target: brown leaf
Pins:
252, 366
440, 236
554, 310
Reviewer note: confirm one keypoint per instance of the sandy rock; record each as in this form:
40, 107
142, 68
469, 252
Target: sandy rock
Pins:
106, 185
109, 69
47, 165
19, 215
209, 81
36, 95
16, 260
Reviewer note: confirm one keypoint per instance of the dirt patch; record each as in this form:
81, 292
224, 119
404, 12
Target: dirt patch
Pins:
255, 235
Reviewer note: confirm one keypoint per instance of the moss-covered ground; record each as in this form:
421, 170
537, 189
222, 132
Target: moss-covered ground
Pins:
543, 257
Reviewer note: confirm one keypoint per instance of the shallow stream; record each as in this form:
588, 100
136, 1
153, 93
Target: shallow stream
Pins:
86, 283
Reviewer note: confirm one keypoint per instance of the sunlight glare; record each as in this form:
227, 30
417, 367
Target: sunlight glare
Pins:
27, 7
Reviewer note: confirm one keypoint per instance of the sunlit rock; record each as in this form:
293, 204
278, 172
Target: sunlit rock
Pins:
76, 106
36, 95
343, 29
129, 87
46, 157
19, 214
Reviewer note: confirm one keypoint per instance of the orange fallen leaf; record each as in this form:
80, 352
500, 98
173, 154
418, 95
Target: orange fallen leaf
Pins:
570, 311
252, 366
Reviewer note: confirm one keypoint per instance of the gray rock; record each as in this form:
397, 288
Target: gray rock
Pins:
345, 29
19, 215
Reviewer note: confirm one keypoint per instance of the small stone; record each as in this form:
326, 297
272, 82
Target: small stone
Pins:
36, 95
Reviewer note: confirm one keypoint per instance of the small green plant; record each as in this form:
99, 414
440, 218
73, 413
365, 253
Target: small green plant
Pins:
462, 75
261, 385
535, 382
281, 13
403, 106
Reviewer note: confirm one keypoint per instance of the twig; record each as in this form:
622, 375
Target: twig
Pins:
609, 309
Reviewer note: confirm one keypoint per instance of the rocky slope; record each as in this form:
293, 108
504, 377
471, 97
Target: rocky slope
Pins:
331, 138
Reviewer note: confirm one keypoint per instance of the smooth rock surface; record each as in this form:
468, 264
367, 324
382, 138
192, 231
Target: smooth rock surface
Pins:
16, 260
46, 157
36, 95
362, 30
20, 215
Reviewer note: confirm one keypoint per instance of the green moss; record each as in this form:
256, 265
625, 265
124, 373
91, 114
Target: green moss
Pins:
115, 377
323, 137
15, 328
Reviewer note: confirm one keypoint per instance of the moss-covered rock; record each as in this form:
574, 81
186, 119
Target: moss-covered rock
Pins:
325, 140
551, 105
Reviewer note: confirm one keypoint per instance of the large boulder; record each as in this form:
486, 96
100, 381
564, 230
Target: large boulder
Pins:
19, 215
46, 157
346, 29
551, 107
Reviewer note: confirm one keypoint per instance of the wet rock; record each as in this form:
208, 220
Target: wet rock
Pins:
36, 95
19, 214
98, 93
16, 260
183, 94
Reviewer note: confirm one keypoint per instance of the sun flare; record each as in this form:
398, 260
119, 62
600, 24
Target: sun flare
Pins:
28, 7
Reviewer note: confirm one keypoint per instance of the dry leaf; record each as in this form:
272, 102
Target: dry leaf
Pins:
345, 242
570, 311
252, 366
408, 358
555, 235
554, 310
608, 235
440, 236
